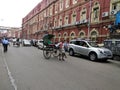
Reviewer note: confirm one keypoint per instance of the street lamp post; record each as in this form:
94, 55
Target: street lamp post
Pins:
89, 21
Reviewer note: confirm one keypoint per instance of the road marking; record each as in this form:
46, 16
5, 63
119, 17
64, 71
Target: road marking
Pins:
12, 80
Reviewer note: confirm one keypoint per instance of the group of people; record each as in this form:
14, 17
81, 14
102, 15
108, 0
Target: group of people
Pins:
63, 47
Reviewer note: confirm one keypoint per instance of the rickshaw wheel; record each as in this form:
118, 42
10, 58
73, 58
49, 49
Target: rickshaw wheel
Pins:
55, 52
46, 53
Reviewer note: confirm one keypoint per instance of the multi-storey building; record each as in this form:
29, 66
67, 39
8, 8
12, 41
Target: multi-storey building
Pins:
68, 19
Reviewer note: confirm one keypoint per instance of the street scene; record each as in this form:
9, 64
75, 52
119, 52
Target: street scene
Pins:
25, 68
60, 45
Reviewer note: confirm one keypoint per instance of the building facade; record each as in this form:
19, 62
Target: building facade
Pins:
10, 32
69, 19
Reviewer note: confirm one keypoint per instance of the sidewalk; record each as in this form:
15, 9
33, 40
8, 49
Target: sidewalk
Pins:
4, 79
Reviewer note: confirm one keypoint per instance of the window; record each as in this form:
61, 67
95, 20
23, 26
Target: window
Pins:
82, 35
51, 8
59, 36
65, 36
75, 1
60, 21
72, 42
95, 12
44, 13
116, 5
93, 35
72, 35
42, 18
77, 43
83, 14
73, 17
84, 44
67, 3
56, 8
61, 5
66, 20
55, 22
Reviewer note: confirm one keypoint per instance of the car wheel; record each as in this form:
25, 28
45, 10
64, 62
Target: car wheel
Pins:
93, 56
71, 52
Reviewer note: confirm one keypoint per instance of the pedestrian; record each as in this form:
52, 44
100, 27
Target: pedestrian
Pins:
5, 44
18, 42
62, 54
65, 44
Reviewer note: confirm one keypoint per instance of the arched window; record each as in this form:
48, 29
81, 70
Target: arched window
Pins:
81, 35
59, 37
94, 35
72, 36
65, 36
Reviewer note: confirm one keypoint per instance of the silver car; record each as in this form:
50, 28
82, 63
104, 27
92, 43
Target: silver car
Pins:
89, 49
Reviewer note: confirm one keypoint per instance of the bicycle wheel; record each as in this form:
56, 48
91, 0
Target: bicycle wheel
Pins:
55, 52
46, 53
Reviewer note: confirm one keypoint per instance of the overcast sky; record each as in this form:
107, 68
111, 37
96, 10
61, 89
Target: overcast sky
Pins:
12, 11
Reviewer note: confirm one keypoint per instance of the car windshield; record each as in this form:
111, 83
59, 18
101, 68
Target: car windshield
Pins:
93, 44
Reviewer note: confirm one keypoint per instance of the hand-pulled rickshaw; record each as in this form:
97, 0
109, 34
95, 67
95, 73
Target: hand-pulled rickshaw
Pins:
48, 47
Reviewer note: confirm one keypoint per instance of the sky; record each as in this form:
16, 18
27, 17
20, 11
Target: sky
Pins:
12, 11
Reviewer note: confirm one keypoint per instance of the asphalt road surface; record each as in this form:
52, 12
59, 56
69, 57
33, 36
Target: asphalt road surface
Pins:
25, 68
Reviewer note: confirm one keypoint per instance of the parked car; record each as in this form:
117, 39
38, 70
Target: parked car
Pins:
89, 49
26, 42
40, 44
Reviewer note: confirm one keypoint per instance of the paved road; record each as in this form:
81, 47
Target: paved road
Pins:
4, 79
31, 71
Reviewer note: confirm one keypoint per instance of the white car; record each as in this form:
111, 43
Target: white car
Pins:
26, 42
89, 49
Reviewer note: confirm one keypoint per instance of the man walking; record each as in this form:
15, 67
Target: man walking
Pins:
5, 44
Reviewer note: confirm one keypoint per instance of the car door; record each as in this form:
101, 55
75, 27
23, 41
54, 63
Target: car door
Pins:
77, 47
83, 48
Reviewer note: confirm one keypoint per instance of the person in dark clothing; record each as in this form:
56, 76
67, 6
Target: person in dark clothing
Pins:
5, 43
18, 42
